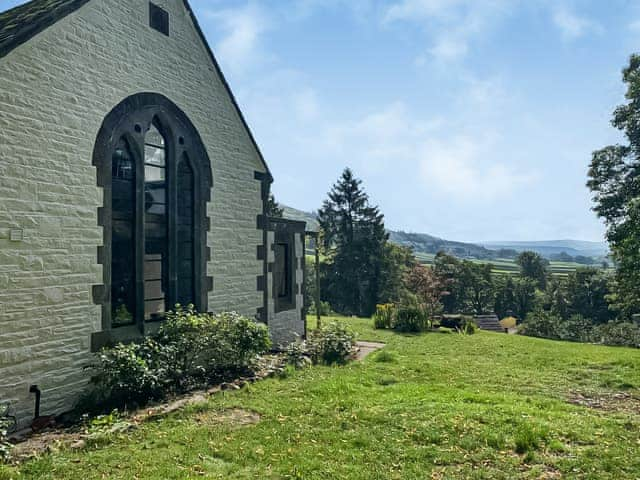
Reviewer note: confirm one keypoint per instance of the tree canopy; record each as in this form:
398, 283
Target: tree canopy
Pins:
534, 267
614, 179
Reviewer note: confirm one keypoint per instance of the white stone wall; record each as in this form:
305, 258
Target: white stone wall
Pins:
55, 91
287, 326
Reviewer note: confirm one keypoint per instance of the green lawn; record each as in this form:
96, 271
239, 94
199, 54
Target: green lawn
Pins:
431, 406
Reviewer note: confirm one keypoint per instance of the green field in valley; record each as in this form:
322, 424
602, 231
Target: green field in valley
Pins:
431, 406
508, 266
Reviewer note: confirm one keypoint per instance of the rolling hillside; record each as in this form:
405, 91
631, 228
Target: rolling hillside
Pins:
571, 247
499, 253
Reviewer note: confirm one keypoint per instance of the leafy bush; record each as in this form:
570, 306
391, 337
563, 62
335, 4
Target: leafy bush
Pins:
190, 350
411, 318
197, 347
325, 309
467, 327
384, 316
508, 322
298, 355
579, 329
541, 324
455, 322
5, 423
576, 329
617, 334
333, 343
127, 375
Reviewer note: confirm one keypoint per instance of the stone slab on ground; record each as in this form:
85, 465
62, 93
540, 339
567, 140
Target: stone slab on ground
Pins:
367, 348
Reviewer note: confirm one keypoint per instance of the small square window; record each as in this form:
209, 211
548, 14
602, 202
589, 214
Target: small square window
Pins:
158, 19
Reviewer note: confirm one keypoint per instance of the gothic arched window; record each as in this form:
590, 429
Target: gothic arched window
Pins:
157, 180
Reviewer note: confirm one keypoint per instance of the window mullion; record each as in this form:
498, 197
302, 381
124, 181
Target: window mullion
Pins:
172, 211
139, 235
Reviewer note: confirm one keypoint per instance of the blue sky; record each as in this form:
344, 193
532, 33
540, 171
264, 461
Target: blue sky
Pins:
467, 119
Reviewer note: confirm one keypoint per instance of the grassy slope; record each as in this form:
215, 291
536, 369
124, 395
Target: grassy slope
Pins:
447, 406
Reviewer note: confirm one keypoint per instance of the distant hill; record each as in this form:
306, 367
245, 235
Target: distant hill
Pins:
425, 243
546, 248
309, 217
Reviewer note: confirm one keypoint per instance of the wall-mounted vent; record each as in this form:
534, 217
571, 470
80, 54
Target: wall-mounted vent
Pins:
159, 19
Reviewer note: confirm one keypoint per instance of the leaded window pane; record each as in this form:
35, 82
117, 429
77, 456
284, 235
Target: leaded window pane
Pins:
155, 225
185, 234
123, 273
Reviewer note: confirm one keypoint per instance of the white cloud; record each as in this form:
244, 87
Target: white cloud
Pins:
450, 25
425, 153
239, 49
573, 26
460, 167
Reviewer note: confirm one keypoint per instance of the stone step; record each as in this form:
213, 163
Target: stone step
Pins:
488, 322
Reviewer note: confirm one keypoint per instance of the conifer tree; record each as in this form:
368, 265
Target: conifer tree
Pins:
355, 239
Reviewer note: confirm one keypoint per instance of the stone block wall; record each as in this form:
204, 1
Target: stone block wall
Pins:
288, 326
55, 92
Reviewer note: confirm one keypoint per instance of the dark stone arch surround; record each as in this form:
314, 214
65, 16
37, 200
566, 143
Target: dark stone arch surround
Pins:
131, 119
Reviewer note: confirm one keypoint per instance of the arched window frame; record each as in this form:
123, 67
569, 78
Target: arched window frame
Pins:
130, 120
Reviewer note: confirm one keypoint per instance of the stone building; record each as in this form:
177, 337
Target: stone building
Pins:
129, 181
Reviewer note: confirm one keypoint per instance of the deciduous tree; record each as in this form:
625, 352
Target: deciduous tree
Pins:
614, 179
533, 266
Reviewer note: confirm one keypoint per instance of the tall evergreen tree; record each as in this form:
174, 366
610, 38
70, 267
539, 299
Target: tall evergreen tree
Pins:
355, 237
614, 179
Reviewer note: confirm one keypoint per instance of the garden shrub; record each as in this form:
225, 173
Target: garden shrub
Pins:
333, 343
579, 329
467, 327
127, 375
617, 334
190, 350
541, 324
455, 322
297, 354
411, 319
325, 309
575, 329
508, 322
197, 348
384, 316
5, 423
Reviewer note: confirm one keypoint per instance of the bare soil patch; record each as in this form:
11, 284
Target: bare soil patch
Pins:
607, 402
236, 417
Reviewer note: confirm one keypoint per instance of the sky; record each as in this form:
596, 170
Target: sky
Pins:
471, 120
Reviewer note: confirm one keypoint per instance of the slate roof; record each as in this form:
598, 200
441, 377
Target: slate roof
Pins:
23, 22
